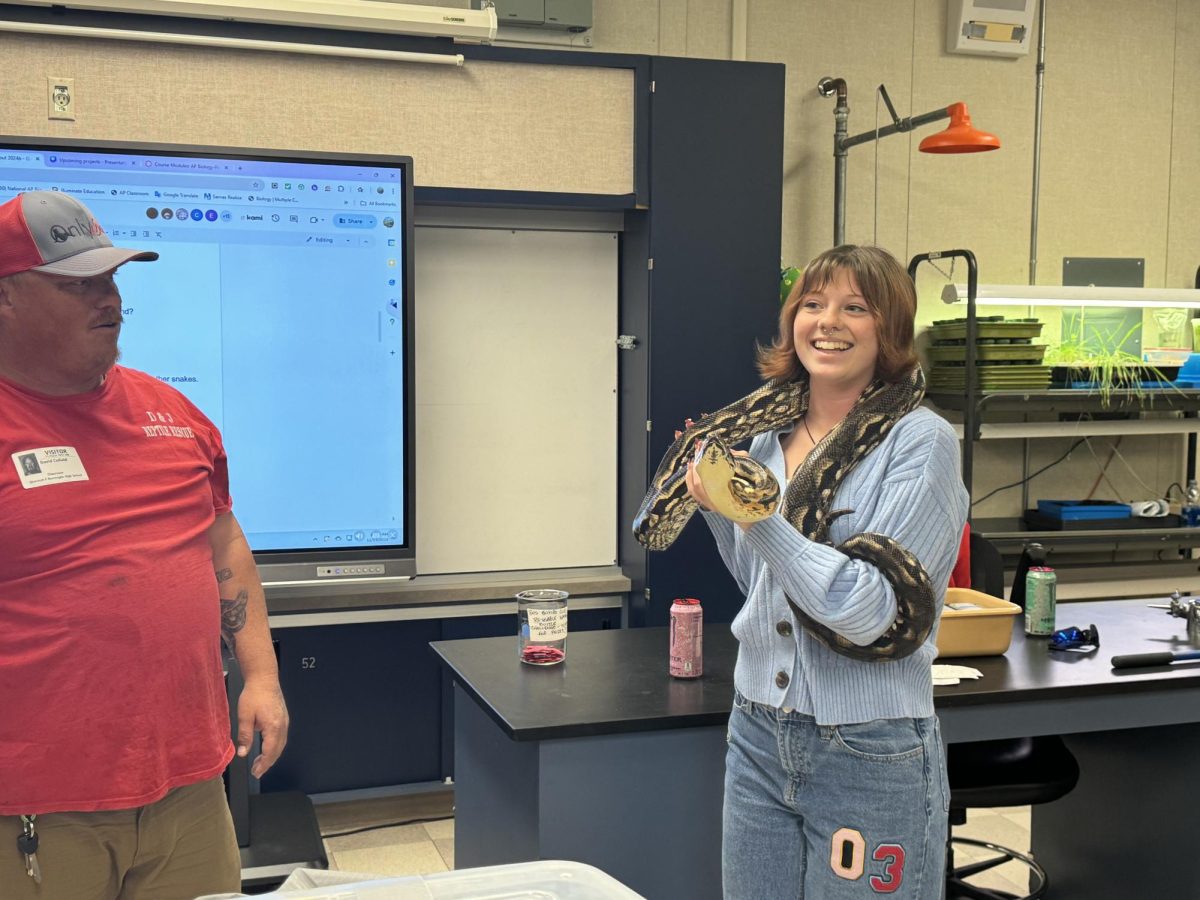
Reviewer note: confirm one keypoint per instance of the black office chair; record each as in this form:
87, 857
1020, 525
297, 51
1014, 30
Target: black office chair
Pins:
1010, 772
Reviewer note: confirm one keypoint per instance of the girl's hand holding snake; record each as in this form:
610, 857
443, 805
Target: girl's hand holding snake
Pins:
696, 487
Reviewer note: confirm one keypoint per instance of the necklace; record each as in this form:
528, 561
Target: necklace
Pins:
804, 422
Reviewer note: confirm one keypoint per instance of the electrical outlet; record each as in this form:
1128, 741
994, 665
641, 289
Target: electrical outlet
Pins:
61, 95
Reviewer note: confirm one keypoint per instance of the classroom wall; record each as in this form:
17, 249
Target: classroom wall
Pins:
1120, 147
484, 125
515, 317
1120, 159
1120, 152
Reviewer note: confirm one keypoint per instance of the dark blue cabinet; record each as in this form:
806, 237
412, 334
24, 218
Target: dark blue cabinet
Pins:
370, 704
365, 700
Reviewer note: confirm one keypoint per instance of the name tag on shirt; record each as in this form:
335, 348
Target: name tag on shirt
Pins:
48, 465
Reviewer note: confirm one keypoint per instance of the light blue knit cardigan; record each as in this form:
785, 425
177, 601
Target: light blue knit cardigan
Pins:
910, 488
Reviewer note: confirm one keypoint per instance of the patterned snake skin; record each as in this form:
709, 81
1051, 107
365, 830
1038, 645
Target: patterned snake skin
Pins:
806, 504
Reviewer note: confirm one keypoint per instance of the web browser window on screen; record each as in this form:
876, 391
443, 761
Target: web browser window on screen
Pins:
276, 306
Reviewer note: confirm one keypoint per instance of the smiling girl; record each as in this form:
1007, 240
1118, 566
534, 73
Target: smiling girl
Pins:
835, 781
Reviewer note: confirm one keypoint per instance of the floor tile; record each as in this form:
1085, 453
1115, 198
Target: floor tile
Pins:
1007, 827
440, 830
420, 858
987, 826
445, 846
1019, 815
379, 837
1012, 810
353, 814
1000, 883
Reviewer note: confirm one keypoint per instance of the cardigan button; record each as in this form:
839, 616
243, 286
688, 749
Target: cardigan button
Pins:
784, 627
781, 680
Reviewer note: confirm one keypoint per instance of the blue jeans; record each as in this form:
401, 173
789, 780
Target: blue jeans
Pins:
832, 811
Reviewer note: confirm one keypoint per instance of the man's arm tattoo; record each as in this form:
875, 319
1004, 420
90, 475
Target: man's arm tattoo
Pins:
233, 618
224, 575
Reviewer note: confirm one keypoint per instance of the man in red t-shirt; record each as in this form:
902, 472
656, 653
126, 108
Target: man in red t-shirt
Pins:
122, 569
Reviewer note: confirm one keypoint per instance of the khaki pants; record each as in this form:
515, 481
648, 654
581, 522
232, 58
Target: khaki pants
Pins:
176, 849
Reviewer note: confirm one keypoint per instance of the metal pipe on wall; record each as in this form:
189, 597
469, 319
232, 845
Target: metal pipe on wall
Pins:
737, 31
841, 129
1037, 142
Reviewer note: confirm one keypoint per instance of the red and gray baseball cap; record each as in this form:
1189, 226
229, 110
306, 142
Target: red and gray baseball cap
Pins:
49, 231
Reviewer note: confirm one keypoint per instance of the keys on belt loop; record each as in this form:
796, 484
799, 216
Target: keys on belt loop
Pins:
27, 844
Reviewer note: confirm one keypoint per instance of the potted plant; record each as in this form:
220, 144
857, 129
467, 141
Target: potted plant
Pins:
1099, 362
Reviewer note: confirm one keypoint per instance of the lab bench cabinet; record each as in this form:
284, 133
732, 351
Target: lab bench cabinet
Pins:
371, 707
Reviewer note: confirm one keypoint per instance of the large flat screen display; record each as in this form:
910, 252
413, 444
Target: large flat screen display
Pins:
281, 305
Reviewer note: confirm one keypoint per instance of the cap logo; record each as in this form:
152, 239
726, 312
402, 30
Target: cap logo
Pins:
53, 232
63, 233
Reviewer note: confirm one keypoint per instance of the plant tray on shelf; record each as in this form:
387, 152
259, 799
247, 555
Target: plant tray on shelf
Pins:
982, 342
1139, 378
1140, 385
991, 377
951, 388
986, 329
984, 353
1036, 521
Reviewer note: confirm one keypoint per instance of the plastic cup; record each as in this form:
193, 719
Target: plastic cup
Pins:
542, 627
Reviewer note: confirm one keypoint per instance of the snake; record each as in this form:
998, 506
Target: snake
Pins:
746, 491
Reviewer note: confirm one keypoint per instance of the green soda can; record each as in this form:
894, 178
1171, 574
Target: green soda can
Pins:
1040, 585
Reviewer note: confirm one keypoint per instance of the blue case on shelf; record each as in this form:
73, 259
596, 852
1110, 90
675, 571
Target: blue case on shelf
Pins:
1077, 510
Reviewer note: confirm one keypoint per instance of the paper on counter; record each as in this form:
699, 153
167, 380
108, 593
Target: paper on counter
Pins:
953, 674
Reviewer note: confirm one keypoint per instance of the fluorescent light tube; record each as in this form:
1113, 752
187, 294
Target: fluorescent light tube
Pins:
1059, 295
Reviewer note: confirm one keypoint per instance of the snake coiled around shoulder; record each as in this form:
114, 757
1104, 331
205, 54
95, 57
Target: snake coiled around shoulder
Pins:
808, 499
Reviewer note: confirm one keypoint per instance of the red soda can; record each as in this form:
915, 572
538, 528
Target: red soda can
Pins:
687, 639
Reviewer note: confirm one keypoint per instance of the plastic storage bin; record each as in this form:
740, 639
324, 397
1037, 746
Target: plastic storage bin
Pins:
541, 880
1083, 510
1189, 372
984, 630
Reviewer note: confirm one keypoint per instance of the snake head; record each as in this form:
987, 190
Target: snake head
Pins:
711, 449
738, 487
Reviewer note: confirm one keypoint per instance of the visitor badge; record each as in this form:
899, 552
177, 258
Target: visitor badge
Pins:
48, 465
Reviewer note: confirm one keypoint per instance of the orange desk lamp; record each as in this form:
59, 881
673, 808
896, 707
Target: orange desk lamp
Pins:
959, 137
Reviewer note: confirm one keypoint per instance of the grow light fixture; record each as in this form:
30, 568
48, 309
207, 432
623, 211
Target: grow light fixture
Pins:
1059, 295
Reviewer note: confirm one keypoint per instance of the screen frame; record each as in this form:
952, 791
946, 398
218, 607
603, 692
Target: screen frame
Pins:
299, 572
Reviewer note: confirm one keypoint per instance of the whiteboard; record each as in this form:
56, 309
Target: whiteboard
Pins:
516, 388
